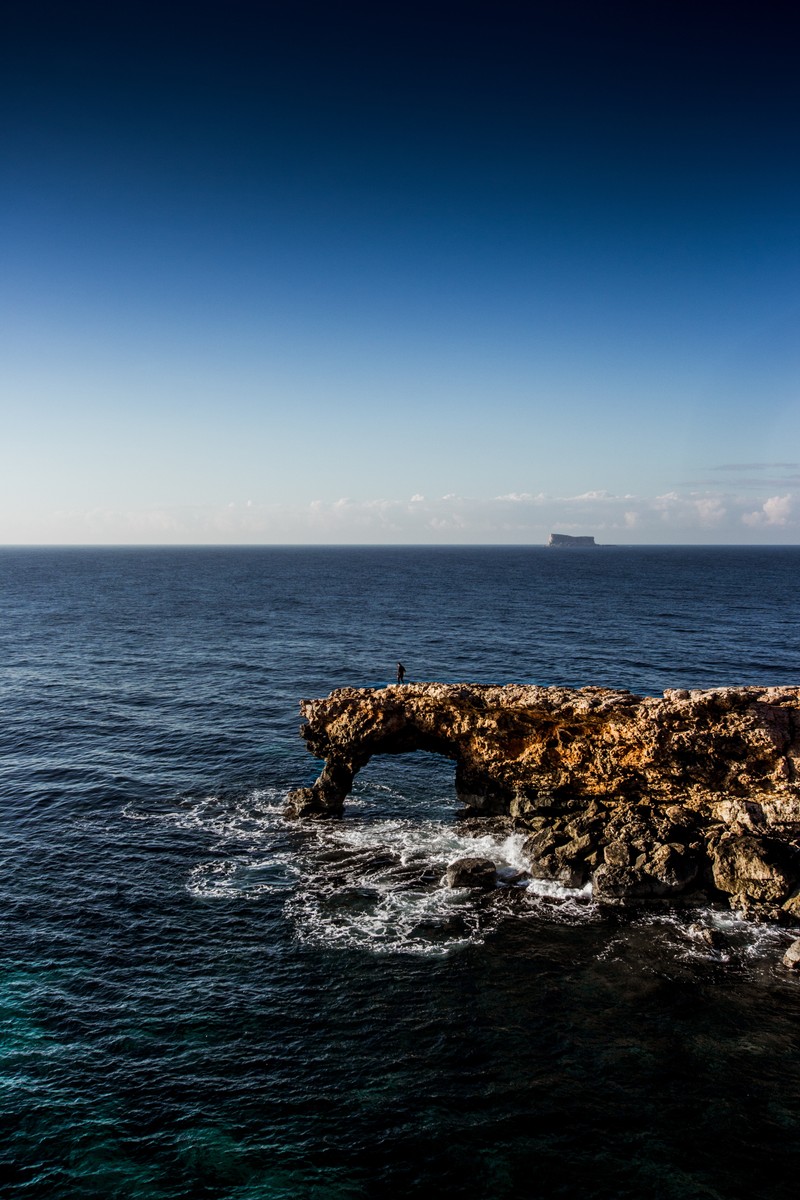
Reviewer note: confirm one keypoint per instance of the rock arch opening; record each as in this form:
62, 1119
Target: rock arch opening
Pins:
416, 781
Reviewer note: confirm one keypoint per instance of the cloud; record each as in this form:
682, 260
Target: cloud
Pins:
752, 476
757, 466
777, 509
515, 517
592, 496
710, 509
690, 509
774, 511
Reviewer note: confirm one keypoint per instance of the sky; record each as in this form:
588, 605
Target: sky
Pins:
399, 272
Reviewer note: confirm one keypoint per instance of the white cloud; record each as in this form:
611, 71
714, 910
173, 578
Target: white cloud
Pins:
690, 510
513, 517
774, 511
591, 496
778, 509
709, 509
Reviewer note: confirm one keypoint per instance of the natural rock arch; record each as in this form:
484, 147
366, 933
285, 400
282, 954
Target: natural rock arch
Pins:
326, 797
647, 796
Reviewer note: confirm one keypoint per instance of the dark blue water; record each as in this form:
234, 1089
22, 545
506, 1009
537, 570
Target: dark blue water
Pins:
199, 999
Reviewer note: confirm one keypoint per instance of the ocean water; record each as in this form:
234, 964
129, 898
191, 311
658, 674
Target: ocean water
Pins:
199, 999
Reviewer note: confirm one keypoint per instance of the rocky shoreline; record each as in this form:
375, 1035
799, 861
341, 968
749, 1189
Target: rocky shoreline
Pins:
687, 797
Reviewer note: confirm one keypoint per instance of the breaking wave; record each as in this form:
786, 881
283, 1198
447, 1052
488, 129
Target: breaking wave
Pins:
371, 881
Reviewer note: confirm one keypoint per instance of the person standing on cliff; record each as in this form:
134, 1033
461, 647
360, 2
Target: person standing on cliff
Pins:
401, 672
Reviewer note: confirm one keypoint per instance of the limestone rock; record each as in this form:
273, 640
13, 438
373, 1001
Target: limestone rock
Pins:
650, 797
791, 958
791, 907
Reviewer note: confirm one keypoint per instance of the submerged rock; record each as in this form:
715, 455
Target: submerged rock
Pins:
354, 897
439, 929
707, 936
647, 797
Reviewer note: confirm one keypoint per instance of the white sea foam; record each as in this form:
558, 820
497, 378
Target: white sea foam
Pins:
244, 829
377, 882
750, 940
704, 935
370, 880
240, 878
427, 841
252, 817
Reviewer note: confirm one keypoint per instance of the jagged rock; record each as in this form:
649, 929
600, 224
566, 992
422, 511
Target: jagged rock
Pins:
658, 871
791, 907
618, 854
620, 883
791, 958
472, 873
651, 797
307, 802
559, 869
540, 843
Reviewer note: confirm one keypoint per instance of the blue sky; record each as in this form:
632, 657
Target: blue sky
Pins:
452, 272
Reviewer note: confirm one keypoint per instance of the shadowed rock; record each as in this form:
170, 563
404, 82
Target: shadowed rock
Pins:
649, 797
472, 873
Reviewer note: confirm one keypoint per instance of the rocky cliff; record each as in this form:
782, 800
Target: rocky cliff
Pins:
695, 792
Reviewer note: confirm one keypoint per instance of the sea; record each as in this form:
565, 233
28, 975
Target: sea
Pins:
199, 998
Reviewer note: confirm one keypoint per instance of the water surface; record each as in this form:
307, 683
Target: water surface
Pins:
200, 999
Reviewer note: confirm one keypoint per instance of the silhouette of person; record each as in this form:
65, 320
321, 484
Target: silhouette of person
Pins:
401, 672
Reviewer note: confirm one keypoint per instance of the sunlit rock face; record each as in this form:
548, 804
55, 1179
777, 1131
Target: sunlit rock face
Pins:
649, 797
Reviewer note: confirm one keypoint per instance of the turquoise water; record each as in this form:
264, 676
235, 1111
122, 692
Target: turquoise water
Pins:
199, 999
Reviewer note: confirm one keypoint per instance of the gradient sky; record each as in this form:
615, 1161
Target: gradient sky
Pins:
399, 272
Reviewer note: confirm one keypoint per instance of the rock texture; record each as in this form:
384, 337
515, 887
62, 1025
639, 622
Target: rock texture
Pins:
472, 873
649, 797
791, 958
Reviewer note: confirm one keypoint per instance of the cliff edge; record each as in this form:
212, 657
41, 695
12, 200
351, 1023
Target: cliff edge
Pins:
695, 792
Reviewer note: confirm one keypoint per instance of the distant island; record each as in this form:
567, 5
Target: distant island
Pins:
566, 539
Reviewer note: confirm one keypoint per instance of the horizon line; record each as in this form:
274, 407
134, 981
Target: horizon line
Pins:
393, 546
